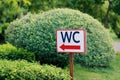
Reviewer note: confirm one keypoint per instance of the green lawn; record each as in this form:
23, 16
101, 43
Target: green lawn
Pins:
112, 73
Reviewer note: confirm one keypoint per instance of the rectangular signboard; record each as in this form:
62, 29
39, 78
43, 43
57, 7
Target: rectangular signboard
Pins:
71, 41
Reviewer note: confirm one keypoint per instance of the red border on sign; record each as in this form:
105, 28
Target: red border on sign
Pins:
72, 30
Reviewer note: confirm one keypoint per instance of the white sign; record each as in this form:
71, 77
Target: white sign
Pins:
71, 41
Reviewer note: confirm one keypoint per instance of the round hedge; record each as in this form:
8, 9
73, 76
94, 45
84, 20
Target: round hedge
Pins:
37, 33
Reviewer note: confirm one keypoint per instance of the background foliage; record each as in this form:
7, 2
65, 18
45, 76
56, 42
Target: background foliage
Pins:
10, 10
106, 11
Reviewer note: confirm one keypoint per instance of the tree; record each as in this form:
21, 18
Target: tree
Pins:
116, 20
10, 10
116, 6
107, 13
43, 5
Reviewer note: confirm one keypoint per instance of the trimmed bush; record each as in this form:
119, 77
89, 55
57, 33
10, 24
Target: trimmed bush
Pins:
7, 51
23, 70
37, 33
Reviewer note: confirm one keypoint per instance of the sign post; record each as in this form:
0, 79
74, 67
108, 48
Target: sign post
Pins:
71, 41
71, 65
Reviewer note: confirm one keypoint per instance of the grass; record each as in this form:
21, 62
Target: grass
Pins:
114, 36
112, 73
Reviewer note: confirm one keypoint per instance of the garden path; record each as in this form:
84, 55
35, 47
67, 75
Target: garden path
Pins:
117, 45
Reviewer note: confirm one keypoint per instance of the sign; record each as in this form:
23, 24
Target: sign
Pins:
71, 41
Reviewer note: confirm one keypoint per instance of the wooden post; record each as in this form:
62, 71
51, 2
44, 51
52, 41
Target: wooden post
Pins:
71, 65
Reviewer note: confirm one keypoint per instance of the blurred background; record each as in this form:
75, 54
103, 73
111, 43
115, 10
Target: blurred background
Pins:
106, 11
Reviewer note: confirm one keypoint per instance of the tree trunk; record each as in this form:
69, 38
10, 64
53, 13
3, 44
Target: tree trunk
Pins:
107, 14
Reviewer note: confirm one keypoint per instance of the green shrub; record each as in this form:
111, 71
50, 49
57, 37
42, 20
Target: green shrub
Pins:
117, 28
38, 33
37, 39
7, 51
23, 70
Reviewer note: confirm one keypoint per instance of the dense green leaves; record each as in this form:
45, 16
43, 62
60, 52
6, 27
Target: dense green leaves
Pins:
10, 10
43, 5
37, 33
22, 70
9, 52
116, 6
